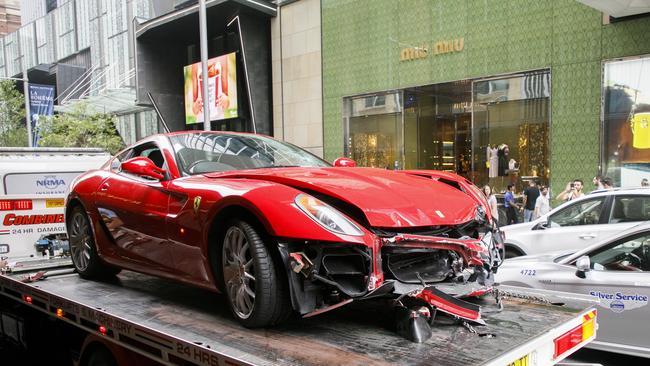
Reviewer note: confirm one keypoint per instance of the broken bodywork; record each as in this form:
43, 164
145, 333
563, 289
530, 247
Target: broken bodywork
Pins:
423, 274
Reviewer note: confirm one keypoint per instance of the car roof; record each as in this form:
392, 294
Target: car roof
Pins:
602, 193
618, 190
643, 226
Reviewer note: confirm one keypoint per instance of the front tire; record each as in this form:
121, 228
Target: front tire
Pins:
257, 292
82, 247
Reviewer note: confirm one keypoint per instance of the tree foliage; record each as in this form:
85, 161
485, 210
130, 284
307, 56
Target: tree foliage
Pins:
13, 131
80, 128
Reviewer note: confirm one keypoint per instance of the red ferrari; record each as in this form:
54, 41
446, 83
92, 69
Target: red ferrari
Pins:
280, 231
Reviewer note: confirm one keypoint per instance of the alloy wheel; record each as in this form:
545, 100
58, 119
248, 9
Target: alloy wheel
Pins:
238, 270
80, 241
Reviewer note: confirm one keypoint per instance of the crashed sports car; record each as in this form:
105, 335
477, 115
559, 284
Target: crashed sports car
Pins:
280, 231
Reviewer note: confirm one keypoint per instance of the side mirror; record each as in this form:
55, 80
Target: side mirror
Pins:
584, 265
345, 162
143, 167
541, 226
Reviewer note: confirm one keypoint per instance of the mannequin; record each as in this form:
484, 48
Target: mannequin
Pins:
493, 159
503, 153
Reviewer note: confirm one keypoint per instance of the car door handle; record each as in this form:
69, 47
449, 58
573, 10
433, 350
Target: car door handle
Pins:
587, 236
104, 187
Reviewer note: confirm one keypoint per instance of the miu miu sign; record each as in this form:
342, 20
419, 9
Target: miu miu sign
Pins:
438, 48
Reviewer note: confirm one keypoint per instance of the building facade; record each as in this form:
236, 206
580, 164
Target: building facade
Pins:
498, 91
9, 16
83, 48
297, 74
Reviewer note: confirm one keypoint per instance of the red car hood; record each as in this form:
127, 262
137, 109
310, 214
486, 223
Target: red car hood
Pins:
388, 199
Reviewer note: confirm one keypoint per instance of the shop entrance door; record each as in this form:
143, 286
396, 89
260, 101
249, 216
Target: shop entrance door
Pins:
437, 127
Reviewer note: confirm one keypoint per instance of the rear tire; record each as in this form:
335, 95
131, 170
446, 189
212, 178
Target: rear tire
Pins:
101, 356
82, 247
257, 293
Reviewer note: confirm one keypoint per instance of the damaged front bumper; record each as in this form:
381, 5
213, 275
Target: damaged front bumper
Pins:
432, 270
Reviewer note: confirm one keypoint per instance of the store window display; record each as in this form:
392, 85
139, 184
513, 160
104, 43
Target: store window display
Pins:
626, 112
374, 130
491, 131
511, 119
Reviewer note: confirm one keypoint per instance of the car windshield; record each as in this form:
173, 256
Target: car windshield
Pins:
198, 153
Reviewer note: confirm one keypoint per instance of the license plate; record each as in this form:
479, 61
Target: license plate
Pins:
523, 361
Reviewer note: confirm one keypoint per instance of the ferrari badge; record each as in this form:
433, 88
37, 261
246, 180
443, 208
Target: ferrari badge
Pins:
197, 204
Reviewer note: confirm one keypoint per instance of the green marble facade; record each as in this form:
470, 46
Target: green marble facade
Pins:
361, 41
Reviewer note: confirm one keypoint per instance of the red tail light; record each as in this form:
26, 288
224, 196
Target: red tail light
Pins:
9, 205
23, 205
6, 205
577, 335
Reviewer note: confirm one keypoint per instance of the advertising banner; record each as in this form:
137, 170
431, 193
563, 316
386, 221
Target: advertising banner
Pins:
41, 103
222, 89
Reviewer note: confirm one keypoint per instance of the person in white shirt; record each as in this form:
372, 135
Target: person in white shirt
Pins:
542, 204
492, 202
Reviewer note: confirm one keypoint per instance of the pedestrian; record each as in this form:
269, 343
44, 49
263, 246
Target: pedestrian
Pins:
492, 202
644, 182
511, 205
572, 191
542, 205
608, 183
598, 182
530, 196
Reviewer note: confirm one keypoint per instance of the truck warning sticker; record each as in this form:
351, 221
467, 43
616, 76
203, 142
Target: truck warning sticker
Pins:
619, 302
54, 203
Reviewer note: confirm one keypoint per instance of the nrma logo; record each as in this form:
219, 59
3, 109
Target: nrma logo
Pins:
50, 182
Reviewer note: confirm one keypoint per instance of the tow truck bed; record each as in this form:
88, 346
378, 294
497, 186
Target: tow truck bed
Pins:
174, 324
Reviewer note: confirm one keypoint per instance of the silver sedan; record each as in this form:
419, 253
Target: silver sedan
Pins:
616, 271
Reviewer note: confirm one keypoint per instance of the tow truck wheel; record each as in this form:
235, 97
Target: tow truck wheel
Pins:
82, 247
100, 356
256, 292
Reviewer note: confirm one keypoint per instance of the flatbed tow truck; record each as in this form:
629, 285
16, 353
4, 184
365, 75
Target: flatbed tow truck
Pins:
139, 319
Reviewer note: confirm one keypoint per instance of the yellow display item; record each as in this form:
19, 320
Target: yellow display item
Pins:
640, 124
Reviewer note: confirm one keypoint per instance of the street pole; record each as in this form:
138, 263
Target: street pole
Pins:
203, 34
30, 142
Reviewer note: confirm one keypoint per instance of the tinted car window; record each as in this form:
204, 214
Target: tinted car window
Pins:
585, 212
629, 254
211, 152
630, 209
116, 163
148, 150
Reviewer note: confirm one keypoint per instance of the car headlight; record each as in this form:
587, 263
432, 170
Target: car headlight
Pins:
326, 215
480, 215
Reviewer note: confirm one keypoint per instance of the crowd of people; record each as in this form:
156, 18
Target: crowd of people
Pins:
536, 198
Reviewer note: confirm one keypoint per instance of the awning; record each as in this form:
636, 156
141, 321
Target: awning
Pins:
113, 101
619, 8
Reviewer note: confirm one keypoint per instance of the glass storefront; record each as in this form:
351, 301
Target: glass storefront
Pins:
492, 131
626, 118
373, 130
